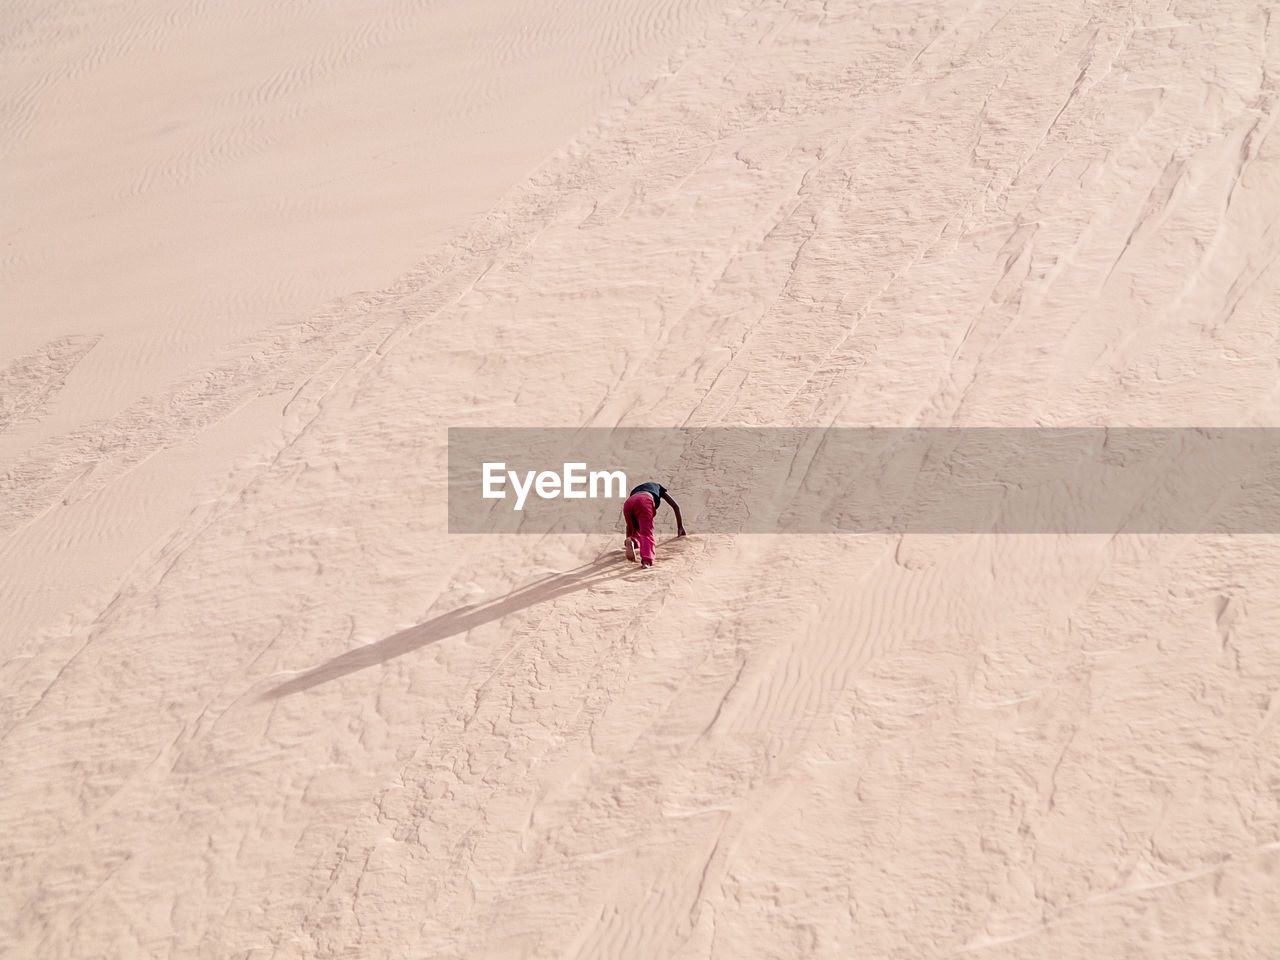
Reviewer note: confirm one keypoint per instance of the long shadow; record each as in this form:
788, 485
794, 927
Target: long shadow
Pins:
555, 585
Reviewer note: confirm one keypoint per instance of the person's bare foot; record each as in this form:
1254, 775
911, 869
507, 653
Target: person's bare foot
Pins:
631, 548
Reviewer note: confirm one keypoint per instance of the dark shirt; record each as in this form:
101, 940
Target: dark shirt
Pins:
655, 490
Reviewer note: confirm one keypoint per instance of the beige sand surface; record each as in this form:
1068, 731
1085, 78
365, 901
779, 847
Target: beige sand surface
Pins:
257, 702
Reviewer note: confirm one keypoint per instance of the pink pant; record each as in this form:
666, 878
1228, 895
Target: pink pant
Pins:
638, 512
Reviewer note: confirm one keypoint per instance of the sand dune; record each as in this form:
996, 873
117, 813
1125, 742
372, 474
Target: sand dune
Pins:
259, 703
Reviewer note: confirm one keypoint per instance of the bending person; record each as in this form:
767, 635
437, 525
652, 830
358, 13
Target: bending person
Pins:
638, 511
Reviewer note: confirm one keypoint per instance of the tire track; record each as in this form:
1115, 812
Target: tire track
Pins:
29, 384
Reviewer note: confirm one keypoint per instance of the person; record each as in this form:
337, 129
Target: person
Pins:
638, 510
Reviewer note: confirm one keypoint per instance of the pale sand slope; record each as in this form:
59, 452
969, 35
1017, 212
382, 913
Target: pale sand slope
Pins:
183, 183
279, 738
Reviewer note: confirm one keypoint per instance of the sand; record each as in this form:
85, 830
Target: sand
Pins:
257, 702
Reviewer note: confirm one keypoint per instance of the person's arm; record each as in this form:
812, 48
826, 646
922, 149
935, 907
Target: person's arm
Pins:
676, 507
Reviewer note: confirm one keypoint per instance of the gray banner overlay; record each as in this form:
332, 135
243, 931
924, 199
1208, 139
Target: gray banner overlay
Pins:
871, 480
